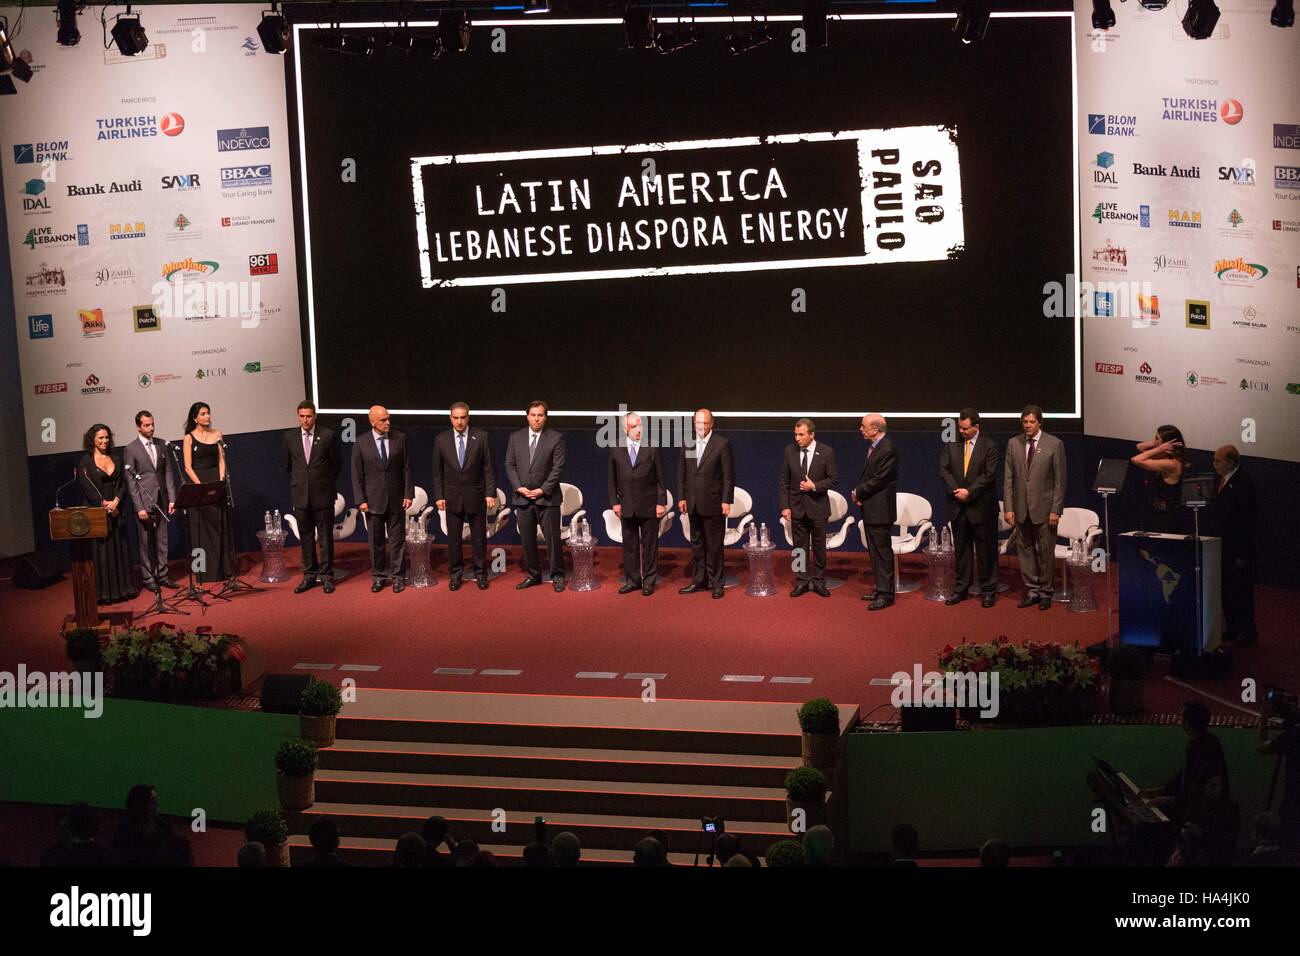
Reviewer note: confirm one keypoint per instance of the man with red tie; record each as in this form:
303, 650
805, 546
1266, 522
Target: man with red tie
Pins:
1033, 492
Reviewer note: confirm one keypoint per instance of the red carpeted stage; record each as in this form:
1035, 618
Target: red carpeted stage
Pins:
603, 644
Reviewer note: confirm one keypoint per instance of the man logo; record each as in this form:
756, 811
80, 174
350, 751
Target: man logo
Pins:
173, 124
1230, 112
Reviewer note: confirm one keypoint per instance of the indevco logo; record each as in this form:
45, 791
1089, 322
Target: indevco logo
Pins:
248, 137
1111, 124
1285, 136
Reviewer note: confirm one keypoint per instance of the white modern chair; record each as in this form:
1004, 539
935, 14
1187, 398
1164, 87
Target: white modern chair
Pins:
834, 539
914, 514
1076, 524
345, 525
571, 510
420, 510
496, 521
742, 503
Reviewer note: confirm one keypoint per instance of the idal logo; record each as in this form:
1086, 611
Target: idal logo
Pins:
34, 200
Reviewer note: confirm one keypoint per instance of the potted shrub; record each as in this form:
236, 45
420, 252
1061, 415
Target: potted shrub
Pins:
805, 789
268, 828
819, 719
1126, 667
785, 853
83, 647
295, 763
318, 710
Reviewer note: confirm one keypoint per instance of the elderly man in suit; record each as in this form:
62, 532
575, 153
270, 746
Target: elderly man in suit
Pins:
534, 461
1033, 492
313, 461
381, 481
969, 469
636, 494
808, 472
464, 486
151, 486
707, 479
1233, 516
877, 495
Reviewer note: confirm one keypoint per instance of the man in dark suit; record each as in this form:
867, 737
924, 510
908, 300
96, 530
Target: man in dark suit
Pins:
464, 486
808, 472
313, 461
151, 486
636, 493
706, 477
381, 481
877, 495
969, 468
534, 460
1033, 492
1233, 516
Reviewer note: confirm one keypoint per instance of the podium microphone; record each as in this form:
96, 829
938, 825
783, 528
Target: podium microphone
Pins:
58, 491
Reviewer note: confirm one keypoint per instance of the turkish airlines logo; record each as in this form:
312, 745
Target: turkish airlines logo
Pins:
173, 124
1231, 112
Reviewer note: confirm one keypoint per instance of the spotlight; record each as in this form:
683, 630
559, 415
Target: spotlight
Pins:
66, 15
274, 30
1283, 14
425, 47
1153, 5
751, 39
454, 28
129, 35
814, 22
638, 29
12, 64
1200, 19
972, 20
671, 40
7, 57
537, 6
1103, 17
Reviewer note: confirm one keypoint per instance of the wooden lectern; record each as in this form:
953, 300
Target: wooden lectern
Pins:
80, 526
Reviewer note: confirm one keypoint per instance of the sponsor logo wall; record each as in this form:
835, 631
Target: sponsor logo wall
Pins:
1206, 136
151, 228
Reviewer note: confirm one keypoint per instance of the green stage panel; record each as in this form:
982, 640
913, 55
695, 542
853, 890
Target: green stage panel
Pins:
219, 760
1027, 786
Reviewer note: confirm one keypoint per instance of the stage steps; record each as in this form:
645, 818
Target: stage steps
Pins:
608, 769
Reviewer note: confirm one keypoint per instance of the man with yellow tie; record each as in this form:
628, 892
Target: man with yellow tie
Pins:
969, 469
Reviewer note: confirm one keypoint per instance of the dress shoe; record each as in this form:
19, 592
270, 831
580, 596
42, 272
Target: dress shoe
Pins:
169, 583
719, 593
398, 585
482, 583
306, 585
691, 589
821, 590
800, 589
558, 583
453, 584
376, 587
629, 588
870, 597
329, 585
527, 583
1027, 601
648, 590
1045, 602
880, 603
988, 600
956, 598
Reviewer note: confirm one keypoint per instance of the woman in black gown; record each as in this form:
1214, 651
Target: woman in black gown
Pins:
100, 475
210, 524
1166, 458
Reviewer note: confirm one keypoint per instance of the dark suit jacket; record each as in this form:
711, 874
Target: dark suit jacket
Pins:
378, 487
544, 472
708, 483
312, 484
1233, 515
464, 489
980, 479
638, 490
824, 473
159, 484
877, 489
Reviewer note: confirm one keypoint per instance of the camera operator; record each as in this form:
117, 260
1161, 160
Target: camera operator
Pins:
1280, 711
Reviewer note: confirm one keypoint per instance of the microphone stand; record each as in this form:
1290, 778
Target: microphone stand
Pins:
233, 584
160, 605
191, 592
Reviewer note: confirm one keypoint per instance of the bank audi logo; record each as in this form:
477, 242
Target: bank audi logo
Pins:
1231, 112
1285, 136
40, 326
173, 124
184, 182
264, 264
1242, 175
1108, 368
248, 137
235, 177
1198, 314
51, 388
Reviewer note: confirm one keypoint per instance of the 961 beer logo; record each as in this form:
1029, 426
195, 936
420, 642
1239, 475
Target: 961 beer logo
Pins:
264, 264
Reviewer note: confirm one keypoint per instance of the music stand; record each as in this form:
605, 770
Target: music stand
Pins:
1111, 473
196, 496
1194, 493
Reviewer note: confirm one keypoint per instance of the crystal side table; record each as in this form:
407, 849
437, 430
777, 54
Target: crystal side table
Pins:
419, 573
273, 569
1083, 593
760, 570
584, 578
941, 584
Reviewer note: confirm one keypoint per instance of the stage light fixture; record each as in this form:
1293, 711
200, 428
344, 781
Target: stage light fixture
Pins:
129, 35
454, 27
1200, 19
274, 30
814, 22
427, 47
7, 56
7, 87
1103, 16
1153, 5
537, 6
1283, 14
66, 17
972, 20
751, 39
673, 39
638, 29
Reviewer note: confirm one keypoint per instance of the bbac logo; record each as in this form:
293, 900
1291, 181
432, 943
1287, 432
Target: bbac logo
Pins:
173, 124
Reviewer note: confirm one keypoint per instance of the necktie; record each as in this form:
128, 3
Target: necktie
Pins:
870, 449
803, 462
1223, 483
631, 453
965, 465
460, 449
306, 446
1029, 461
532, 447
153, 455
383, 448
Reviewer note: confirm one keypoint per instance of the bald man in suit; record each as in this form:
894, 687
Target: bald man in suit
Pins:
707, 479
